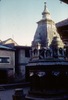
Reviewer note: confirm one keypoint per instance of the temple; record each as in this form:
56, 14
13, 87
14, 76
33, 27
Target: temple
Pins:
46, 36
47, 69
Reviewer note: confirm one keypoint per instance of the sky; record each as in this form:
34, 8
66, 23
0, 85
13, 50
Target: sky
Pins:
18, 18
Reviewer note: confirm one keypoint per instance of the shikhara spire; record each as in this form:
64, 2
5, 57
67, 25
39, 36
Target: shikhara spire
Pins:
46, 31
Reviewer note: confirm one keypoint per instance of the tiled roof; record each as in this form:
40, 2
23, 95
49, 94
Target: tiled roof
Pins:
5, 47
22, 47
9, 41
65, 1
62, 23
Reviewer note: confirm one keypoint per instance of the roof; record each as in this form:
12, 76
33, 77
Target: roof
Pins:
65, 1
22, 47
62, 23
0, 41
9, 41
46, 62
5, 47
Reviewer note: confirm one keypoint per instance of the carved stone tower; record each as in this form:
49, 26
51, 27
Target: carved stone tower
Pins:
46, 31
47, 70
46, 35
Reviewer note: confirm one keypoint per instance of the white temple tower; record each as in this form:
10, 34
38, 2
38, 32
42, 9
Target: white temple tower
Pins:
46, 31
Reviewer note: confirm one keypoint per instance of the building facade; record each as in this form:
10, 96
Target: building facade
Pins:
22, 57
13, 59
7, 64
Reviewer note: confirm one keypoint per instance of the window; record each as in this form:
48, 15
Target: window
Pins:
55, 53
48, 53
41, 53
27, 53
56, 73
60, 51
4, 60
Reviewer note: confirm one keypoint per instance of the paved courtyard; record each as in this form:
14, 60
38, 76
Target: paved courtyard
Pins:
7, 94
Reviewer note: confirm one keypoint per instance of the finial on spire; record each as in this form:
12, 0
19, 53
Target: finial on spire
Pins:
45, 13
45, 5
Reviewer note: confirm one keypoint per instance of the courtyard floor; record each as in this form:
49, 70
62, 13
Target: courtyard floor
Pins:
8, 94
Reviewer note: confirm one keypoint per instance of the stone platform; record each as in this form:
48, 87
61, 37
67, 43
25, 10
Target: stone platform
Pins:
47, 95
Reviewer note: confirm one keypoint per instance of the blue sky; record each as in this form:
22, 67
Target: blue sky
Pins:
18, 17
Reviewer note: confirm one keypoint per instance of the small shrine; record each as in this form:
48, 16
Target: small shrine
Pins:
47, 70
